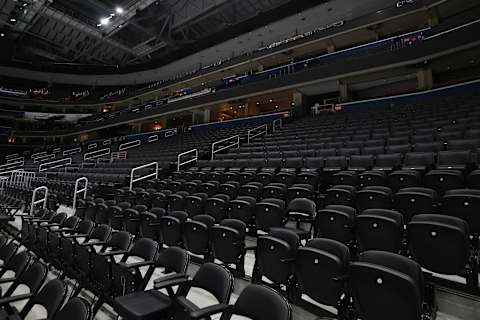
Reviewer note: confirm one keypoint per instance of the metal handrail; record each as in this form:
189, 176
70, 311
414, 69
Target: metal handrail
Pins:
70, 152
152, 138
10, 165
236, 143
129, 145
83, 190
107, 142
10, 156
3, 182
43, 166
57, 150
250, 136
155, 174
44, 158
277, 124
43, 200
96, 154
22, 178
179, 164
38, 154
15, 159
92, 146
170, 133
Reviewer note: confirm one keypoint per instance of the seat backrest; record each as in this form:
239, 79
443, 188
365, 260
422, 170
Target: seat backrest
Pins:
215, 279
144, 248
75, 309
51, 297
173, 259
261, 303
120, 240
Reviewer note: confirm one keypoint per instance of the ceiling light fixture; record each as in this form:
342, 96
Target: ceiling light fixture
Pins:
118, 10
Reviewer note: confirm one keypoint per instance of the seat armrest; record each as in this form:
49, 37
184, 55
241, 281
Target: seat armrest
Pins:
112, 253
171, 283
287, 260
209, 311
8, 300
342, 278
7, 280
51, 225
93, 243
62, 230
73, 236
170, 277
136, 264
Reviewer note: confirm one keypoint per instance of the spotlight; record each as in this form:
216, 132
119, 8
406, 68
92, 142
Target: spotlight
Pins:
118, 10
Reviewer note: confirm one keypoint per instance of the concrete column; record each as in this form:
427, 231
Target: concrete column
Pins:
331, 47
298, 99
343, 91
424, 79
433, 18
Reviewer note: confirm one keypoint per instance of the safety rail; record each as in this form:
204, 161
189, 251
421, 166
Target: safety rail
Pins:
316, 109
129, 145
262, 130
57, 150
44, 158
38, 154
96, 154
277, 124
235, 142
15, 159
11, 156
147, 176
77, 191
170, 133
56, 164
119, 155
152, 138
107, 142
92, 146
22, 178
73, 151
43, 200
179, 157
10, 167
3, 182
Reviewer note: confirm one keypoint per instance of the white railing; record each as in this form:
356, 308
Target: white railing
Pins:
107, 142
55, 164
152, 138
92, 146
44, 158
38, 154
194, 159
316, 109
43, 200
96, 154
119, 155
77, 191
256, 132
3, 182
70, 152
147, 176
10, 167
57, 150
170, 133
277, 124
15, 159
11, 156
129, 145
233, 142
22, 178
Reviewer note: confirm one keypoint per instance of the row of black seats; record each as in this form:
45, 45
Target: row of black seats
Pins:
350, 148
21, 269
86, 253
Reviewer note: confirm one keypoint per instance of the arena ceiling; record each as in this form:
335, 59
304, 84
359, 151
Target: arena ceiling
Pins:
127, 33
